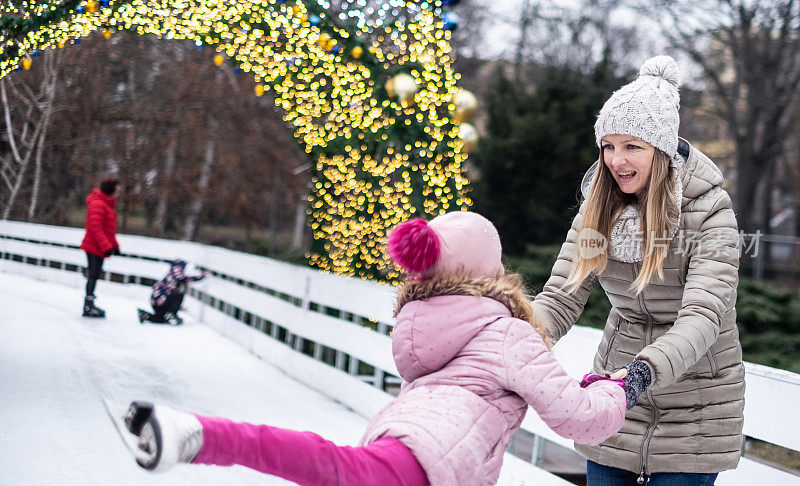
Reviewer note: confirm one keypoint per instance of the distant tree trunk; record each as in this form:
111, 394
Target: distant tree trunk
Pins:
49, 89
192, 221
15, 165
273, 212
163, 193
299, 223
524, 26
746, 184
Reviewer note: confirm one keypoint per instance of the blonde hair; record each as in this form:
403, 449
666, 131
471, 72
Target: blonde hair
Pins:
521, 308
506, 288
659, 212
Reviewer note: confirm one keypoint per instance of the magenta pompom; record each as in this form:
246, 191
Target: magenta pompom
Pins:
414, 245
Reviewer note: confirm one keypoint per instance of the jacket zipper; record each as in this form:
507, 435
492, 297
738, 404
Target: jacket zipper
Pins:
648, 339
712, 362
611, 342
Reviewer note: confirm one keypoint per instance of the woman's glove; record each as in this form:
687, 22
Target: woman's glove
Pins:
637, 380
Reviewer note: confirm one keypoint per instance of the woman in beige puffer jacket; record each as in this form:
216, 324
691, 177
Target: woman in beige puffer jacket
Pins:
672, 326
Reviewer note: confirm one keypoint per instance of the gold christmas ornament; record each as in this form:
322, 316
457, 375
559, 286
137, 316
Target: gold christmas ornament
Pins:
106, 33
405, 87
468, 134
389, 87
91, 6
26, 63
357, 52
324, 40
466, 104
259, 89
219, 59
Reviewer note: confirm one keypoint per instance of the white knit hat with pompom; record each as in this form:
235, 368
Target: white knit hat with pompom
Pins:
647, 108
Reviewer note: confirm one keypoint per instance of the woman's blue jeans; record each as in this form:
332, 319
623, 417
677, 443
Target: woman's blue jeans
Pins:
599, 475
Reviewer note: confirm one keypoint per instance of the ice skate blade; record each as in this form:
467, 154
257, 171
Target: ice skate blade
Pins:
116, 413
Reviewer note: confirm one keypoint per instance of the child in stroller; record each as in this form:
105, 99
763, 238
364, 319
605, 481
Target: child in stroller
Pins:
168, 295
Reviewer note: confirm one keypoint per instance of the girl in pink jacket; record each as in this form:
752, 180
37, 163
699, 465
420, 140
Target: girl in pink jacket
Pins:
472, 360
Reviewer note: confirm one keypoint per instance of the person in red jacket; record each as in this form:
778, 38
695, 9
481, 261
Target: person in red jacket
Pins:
100, 240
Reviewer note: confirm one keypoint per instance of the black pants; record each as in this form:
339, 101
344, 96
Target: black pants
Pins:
171, 305
93, 271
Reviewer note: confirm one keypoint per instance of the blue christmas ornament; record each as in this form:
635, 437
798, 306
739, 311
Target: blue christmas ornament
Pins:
237, 70
451, 3
76, 40
35, 53
450, 20
335, 49
17, 69
314, 20
104, 3
79, 9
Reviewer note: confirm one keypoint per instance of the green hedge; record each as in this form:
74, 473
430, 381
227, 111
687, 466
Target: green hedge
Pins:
768, 317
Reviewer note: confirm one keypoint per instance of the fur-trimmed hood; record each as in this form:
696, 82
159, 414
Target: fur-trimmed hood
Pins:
506, 289
438, 316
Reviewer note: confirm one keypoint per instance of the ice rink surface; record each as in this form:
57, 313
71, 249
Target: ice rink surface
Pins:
56, 367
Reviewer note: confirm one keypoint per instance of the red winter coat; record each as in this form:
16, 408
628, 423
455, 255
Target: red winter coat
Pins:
101, 223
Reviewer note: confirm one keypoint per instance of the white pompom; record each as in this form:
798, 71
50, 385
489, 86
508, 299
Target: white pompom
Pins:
661, 67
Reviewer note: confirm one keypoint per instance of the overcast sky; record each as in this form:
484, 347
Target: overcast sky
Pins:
502, 35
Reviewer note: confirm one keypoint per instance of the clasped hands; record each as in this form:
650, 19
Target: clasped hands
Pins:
633, 378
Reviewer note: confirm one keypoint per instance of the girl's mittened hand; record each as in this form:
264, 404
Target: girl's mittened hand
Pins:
637, 380
590, 378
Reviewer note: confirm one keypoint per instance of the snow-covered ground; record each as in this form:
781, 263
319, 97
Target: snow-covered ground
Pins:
56, 367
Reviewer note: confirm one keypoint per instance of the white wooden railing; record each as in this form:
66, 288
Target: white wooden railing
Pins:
331, 333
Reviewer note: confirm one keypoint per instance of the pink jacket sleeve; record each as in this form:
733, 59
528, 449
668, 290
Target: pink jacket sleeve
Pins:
586, 415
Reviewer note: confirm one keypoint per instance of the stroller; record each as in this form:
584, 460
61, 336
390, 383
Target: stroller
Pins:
168, 294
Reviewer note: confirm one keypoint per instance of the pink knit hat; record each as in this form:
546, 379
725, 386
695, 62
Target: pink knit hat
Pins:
457, 242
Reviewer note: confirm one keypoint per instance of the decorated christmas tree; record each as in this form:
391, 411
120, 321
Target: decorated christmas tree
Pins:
367, 86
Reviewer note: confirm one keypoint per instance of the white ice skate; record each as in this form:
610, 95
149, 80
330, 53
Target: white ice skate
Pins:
158, 436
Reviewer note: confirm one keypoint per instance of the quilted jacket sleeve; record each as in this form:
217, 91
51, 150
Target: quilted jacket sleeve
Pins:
556, 308
709, 293
587, 415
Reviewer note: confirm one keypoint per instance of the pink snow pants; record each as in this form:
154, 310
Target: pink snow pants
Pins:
306, 458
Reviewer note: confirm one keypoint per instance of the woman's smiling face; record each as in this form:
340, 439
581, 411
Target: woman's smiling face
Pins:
630, 161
